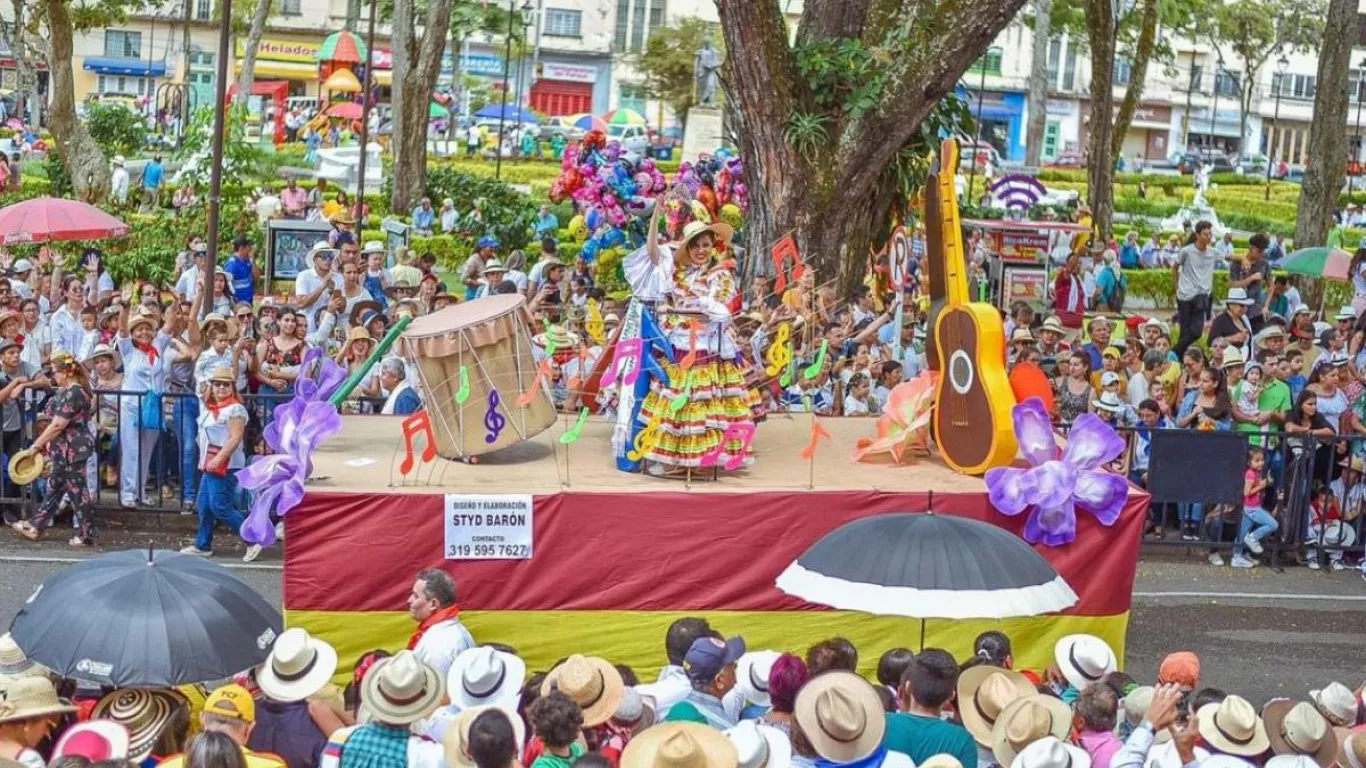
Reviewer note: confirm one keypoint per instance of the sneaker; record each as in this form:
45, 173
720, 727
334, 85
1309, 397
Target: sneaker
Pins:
188, 507
1313, 564
1252, 544
1215, 559
1338, 565
1240, 561
196, 551
253, 552
280, 530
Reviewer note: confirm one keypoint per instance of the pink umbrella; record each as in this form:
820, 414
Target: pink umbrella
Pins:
347, 110
45, 219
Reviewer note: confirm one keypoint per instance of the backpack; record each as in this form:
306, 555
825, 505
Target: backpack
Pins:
1118, 291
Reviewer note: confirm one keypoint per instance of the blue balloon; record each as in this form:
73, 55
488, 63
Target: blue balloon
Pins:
612, 238
593, 218
590, 249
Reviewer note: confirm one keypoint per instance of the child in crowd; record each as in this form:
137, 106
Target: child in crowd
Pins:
859, 401
1296, 380
1249, 392
1257, 523
557, 722
1325, 523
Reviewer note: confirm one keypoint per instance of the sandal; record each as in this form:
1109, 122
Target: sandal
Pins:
79, 543
25, 529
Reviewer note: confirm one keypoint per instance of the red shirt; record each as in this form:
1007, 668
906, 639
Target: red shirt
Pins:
1069, 302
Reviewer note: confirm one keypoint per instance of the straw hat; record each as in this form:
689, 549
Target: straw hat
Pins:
455, 741
401, 689
141, 317
760, 746
984, 692
941, 760
1335, 701
299, 666
494, 265
563, 339
591, 682
1025, 721
1232, 727
841, 715
372, 246
485, 676
342, 217
1053, 325
223, 373
143, 711
26, 466
357, 333
1084, 660
27, 697
720, 232
1354, 750
1296, 728
680, 745
1021, 336
210, 319
1050, 752
101, 350
14, 663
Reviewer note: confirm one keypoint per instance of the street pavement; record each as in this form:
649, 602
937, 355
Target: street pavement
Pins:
1258, 633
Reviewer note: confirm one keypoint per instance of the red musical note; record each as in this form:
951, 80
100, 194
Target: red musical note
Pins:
690, 358
742, 432
629, 351
817, 433
418, 423
783, 251
542, 372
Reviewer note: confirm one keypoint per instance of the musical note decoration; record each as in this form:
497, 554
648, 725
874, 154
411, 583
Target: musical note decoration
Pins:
814, 370
691, 358
542, 372
677, 404
742, 432
463, 394
626, 363
572, 435
417, 424
790, 375
594, 324
818, 433
778, 355
550, 345
494, 421
784, 251
647, 439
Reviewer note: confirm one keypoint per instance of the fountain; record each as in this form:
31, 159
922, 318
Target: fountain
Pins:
341, 166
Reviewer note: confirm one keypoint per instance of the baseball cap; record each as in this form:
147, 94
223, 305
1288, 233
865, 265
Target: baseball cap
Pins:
1181, 667
231, 701
707, 656
1108, 378
22, 265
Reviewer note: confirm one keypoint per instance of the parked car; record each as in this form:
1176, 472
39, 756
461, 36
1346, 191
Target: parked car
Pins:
1067, 160
565, 127
1192, 160
978, 155
634, 138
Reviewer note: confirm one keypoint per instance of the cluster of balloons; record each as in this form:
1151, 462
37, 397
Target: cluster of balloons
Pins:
615, 195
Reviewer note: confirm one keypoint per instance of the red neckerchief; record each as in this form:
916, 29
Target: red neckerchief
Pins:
215, 407
149, 350
445, 614
19, 339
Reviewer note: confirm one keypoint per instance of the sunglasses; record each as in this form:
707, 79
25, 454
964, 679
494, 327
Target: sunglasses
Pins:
224, 384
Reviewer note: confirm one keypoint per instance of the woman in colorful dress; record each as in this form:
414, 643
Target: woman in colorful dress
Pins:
69, 444
690, 285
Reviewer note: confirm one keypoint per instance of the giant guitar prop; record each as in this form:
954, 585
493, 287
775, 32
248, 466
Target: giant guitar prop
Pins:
973, 401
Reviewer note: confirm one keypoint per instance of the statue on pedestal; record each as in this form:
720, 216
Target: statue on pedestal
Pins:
706, 70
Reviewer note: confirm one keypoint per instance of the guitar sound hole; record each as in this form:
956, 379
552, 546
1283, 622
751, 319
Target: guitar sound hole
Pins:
961, 372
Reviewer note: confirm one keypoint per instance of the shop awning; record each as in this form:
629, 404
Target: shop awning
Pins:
383, 77
285, 70
136, 67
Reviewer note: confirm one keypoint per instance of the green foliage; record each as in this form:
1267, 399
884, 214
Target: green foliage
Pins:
242, 159
806, 133
508, 214
117, 129
843, 75
57, 175
952, 116
1155, 285
668, 60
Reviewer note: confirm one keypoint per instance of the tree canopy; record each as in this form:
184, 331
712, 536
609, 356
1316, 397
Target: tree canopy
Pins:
668, 59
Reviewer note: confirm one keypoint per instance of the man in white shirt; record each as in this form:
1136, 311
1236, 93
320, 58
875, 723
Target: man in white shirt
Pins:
23, 270
440, 636
189, 283
118, 181
313, 286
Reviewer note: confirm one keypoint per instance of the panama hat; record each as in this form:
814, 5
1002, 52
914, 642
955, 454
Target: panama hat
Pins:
401, 689
342, 217
373, 246
1052, 324
680, 745
562, 338
984, 692
1084, 660
485, 675
1297, 728
720, 231
591, 682
402, 283
1239, 296
1346, 313
841, 715
27, 697
760, 746
1050, 752
1232, 727
455, 741
494, 265
101, 350
144, 712
299, 666
14, 663
751, 677
1354, 750
1025, 721
1233, 357
1021, 336
26, 466
1108, 402
1335, 701
1224, 761
941, 760
94, 740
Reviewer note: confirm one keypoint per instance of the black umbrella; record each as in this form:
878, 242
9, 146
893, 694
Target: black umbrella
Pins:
149, 618
927, 566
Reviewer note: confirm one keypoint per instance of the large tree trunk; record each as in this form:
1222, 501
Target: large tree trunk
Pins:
836, 201
1038, 83
1100, 163
18, 44
84, 161
1133, 94
247, 76
417, 62
1328, 132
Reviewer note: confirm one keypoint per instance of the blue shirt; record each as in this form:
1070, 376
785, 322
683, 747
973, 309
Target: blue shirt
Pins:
1128, 256
423, 219
239, 269
152, 174
407, 403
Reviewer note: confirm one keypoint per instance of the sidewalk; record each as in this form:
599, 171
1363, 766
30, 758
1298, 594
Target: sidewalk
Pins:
128, 529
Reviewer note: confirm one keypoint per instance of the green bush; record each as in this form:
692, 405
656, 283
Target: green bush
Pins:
117, 129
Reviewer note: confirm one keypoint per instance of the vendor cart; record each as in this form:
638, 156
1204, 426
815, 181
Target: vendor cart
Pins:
1017, 264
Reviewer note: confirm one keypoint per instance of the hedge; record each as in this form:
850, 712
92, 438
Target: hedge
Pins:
1156, 286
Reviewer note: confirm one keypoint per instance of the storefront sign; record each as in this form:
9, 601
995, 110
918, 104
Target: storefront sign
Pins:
382, 58
1058, 107
1023, 246
1024, 284
481, 66
283, 50
572, 73
488, 526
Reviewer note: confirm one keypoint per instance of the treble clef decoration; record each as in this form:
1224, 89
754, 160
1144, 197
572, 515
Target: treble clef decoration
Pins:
494, 421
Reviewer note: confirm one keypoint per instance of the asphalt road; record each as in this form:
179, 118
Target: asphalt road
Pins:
1258, 633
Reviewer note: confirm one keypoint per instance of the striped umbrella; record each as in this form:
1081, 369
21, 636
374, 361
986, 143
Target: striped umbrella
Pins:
344, 47
1324, 262
624, 117
589, 123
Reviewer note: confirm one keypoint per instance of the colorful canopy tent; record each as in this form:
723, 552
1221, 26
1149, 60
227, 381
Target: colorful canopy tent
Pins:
343, 81
344, 47
512, 114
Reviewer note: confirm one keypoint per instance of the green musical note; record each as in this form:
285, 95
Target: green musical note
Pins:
678, 402
463, 393
789, 375
814, 370
550, 342
574, 432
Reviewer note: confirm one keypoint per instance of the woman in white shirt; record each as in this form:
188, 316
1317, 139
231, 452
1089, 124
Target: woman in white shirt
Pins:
222, 426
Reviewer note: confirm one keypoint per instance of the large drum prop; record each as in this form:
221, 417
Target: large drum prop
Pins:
475, 361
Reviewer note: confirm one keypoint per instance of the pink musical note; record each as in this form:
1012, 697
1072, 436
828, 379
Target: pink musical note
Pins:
628, 351
742, 432
418, 423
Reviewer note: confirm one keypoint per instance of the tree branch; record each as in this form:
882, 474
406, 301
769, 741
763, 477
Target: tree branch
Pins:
827, 19
1133, 94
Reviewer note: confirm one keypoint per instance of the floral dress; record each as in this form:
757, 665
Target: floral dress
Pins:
67, 454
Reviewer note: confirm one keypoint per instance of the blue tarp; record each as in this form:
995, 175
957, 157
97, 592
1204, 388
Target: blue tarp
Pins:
514, 114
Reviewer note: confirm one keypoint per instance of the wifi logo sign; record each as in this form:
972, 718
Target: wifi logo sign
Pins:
1017, 191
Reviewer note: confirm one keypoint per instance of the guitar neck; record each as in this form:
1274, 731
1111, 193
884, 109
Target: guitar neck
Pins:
951, 226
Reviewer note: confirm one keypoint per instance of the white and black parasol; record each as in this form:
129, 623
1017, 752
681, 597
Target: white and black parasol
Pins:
927, 566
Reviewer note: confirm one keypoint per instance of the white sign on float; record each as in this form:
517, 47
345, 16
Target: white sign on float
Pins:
488, 526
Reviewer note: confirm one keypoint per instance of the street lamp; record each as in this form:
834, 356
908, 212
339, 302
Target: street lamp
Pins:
507, 70
981, 91
365, 118
1356, 151
1214, 110
1282, 64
